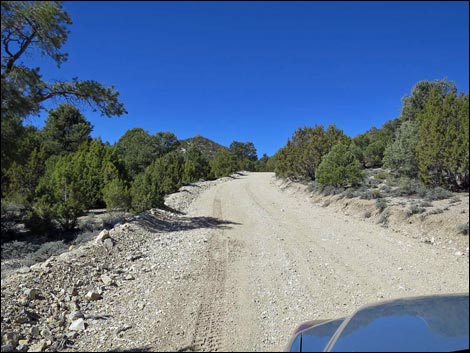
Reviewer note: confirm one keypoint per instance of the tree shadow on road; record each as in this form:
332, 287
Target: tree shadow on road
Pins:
174, 224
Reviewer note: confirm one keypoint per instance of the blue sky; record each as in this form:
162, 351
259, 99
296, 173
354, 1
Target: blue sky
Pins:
256, 71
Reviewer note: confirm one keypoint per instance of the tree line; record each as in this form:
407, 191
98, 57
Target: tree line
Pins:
56, 173
427, 142
68, 172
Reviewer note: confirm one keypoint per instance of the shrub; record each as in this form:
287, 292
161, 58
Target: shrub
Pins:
400, 156
339, 168
370, 195
381, 176
17, 249
37, 223
385, 189
116, 195
349, 193
45, 251
437, 193
436, 211
381, 204
331, 190
407, 187
414, 209
113, 218
455, 199
384, 216
85, 236
366, 214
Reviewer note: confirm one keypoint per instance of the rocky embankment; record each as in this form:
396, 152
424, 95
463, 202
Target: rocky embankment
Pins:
51, 305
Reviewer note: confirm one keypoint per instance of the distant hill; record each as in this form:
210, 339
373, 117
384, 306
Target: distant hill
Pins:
207, 147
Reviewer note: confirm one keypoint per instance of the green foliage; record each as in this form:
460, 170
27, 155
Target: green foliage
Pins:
414, 104
165, 142
339, 168
37, 28
244, 154
443, 147
381, 204
75, 181
59, 192
168, 171
144, 193
196, 167
223, 164
207, 147
17, 144
408, 186
265, 164
162, 177
400, 156
40, 27
137, 148
374, 153
117, 195
65, 130
36, 222
371, 145
24, 178
303, 153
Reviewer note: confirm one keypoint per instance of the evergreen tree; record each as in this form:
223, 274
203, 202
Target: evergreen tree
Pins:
144, 192
65, 130
414, 104
195, 167
168, 172
339, 168
137, 148
116, 195
400, 156
24, 178
59, 194
224, 164
303, 153
442, 149
31, 28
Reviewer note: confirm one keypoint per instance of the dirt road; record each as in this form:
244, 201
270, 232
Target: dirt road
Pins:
253, 262
282, 261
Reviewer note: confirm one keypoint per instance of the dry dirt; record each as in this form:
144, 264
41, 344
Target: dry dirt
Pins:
246, 262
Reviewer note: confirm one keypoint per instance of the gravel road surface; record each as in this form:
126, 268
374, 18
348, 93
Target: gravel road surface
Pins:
236, 266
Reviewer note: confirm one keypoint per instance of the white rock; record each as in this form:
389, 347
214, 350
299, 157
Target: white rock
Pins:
38, 347
30, 293
77, 325
93, 295
106, 280
104, 234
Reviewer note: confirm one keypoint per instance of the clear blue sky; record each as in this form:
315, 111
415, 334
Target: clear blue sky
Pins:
256, 71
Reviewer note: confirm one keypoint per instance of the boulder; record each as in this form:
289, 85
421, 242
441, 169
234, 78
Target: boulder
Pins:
77, 325
104, 234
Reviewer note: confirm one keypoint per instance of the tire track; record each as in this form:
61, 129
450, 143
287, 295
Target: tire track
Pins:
211, 314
